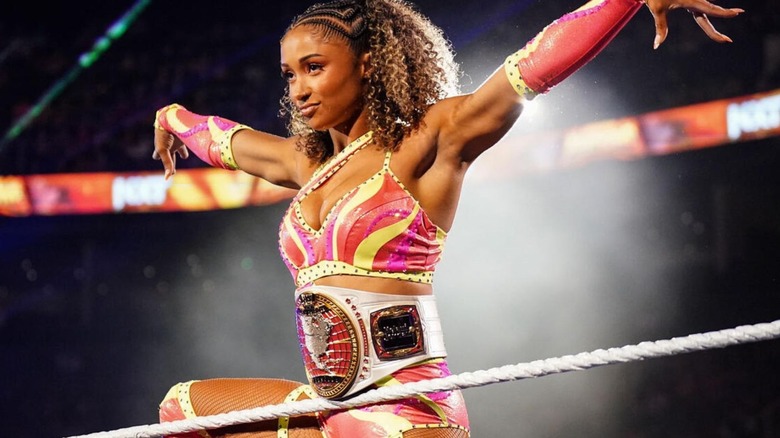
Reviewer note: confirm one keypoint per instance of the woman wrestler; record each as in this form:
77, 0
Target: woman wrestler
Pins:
379, 145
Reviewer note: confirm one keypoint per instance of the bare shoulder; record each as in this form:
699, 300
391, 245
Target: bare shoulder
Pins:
469, 124
440, 115
427, 146
440, 124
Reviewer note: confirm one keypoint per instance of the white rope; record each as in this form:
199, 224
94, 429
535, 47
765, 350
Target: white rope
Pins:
539, 368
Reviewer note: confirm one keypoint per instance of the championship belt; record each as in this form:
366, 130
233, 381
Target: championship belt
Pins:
349, 338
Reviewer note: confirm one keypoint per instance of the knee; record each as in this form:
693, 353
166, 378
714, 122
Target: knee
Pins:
176, 404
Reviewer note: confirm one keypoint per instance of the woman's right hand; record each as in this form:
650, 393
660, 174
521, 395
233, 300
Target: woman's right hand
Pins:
166, 147
166, 144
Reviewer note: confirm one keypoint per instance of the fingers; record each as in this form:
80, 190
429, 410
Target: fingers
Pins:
712, 10
705, 25
701, 10
183, 152
661, 28
163, 141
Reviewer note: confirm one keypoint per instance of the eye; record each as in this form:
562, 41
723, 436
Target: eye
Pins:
287, 75
314, 67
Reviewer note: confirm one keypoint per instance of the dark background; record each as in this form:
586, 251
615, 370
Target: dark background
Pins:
99, 315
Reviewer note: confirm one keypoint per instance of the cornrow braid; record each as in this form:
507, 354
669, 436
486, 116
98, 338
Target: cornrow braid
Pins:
344, 17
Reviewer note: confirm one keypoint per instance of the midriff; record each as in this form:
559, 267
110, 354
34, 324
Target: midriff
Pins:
378, 285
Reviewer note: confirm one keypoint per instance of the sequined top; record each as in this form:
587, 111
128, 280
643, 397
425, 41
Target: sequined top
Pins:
377, 229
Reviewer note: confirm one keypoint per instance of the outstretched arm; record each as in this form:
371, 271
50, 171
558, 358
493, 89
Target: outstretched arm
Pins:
573, 40
473, 123
223, 143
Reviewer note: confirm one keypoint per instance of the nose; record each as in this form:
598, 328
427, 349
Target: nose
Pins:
299, 90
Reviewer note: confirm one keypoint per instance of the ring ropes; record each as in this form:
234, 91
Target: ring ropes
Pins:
538, 368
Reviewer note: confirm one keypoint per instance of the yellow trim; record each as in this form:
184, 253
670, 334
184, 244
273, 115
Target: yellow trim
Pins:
327, 268
170, 114
295, 238
163, 112
369, 247
395, 425
441, 235
225, 145
512, 72
336, 159
282, 429
392, 381
364, 192
441, 238
182, 391
183, 395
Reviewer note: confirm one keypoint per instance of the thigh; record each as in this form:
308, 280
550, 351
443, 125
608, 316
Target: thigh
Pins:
435, 415
217, 396
419, 417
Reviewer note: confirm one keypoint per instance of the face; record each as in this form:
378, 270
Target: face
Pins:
325, 78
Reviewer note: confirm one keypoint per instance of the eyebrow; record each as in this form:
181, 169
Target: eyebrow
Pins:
303, 59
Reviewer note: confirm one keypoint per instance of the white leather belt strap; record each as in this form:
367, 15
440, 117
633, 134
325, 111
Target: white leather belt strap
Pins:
351, 338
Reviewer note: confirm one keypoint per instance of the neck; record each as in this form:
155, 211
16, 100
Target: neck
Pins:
345, 134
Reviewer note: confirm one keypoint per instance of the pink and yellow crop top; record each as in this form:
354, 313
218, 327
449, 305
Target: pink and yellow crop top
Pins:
377, 229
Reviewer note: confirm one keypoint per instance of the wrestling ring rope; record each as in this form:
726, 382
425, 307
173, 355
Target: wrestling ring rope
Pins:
538, 368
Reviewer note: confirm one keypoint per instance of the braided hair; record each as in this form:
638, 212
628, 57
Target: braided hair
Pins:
410, 68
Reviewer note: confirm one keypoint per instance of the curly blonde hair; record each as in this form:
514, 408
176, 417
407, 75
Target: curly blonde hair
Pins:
412, 66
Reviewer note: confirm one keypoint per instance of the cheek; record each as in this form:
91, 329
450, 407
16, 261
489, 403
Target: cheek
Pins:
350, 92
332, 87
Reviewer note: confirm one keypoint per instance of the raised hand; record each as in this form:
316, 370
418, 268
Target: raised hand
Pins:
701, 10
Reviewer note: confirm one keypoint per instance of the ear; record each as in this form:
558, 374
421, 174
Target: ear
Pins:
365, 65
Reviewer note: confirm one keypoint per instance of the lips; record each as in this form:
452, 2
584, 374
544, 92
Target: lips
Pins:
308, 110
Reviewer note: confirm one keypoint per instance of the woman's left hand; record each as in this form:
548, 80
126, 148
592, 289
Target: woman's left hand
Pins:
700, 9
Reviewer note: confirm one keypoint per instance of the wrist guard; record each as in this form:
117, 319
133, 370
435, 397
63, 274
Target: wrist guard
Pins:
567, 44
208, 137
